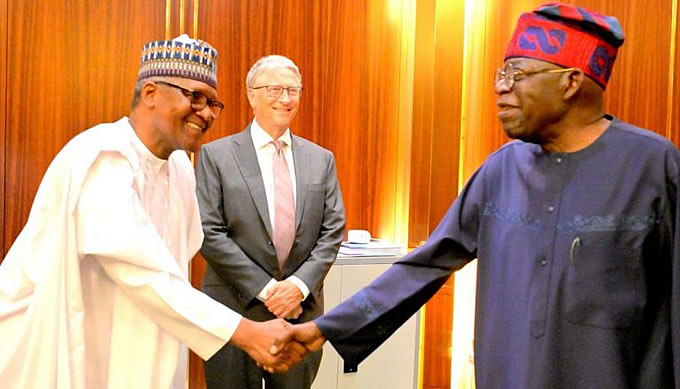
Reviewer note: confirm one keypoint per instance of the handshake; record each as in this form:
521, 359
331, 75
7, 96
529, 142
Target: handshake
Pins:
277, 345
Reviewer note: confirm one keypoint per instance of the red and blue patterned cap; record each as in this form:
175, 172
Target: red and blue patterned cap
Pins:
181, 57
568, 36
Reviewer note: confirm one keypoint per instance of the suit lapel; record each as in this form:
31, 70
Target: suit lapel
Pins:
246, 159
301, 160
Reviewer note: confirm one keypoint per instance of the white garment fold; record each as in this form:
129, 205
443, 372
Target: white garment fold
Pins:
94, 292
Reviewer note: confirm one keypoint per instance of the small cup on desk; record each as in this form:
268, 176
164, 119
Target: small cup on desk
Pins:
358, 236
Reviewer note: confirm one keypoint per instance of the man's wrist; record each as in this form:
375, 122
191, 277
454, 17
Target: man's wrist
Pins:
262, 296
302, 287
242, 334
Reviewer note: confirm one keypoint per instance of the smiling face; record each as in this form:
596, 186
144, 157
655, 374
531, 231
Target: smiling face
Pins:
274, 114
177, 126
533, 105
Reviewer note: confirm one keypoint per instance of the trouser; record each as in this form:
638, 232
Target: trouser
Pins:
232, 368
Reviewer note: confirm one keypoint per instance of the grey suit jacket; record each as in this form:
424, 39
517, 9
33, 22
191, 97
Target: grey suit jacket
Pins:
238, 234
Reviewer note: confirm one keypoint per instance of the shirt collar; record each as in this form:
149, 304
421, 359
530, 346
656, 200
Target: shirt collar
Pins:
261, 138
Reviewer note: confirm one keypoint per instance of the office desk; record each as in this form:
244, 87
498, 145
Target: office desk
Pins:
394, 365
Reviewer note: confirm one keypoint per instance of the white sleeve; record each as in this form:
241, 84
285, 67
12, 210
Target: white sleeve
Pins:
262, 296
114, 229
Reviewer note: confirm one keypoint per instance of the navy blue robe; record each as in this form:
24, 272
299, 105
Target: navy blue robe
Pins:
578, 281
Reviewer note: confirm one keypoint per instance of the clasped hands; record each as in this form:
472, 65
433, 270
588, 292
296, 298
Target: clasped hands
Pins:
283, 300
277, 345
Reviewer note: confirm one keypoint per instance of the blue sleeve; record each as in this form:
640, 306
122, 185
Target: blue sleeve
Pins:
673, 169
358, 326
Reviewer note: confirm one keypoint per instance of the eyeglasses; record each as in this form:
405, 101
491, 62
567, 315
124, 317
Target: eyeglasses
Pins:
198, 100
510, 74
276, 90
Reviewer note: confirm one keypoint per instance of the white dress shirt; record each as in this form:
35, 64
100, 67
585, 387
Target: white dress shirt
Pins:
265, 151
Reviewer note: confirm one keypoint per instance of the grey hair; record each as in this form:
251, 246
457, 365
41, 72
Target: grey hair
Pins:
138, 89
271, 62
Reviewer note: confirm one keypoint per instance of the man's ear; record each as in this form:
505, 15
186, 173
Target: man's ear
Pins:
149, 93
251, 97
572, 83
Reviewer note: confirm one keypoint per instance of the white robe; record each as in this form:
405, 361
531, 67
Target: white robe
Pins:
94, 292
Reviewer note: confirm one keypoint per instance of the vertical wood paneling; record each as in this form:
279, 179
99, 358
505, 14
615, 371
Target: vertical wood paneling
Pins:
443, 185
246, 31
423, 121
421, 146
192, 18
174, 18
73, 66
381, 116
638, 88
490, 27
3, 120
348, 53
398, 231
448, 86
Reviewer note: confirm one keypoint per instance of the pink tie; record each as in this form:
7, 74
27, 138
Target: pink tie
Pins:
284, 206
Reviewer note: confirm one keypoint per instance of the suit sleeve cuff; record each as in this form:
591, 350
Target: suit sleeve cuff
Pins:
300, 285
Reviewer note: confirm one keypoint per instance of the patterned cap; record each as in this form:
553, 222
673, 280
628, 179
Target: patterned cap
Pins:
181, 57
569, 36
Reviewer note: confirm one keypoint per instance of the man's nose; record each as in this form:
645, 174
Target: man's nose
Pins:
501, 86
284, 92
207, 114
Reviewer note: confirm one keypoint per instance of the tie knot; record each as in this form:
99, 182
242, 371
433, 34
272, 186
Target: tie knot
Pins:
278, 144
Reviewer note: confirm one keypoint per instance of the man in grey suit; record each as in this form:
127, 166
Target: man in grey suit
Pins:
273, 219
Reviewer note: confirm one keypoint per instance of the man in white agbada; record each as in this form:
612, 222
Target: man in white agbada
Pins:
94, 292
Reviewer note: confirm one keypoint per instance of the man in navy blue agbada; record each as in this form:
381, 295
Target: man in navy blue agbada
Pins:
575, 224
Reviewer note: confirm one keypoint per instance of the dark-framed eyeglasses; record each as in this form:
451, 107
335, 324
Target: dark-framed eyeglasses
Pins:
277, 90
198, 100
510, 74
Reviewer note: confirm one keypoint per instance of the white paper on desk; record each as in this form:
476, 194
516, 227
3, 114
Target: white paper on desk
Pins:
373, 248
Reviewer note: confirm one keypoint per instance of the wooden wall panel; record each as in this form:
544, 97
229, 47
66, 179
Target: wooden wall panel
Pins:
423, 121
638, 89
244, 32
3, 120
380, 130
443, 158
448, 94
348, 53
73, 65
492, 24
175, 18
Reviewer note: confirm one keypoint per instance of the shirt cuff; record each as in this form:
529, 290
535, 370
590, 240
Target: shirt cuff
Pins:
262, 296
300, 285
